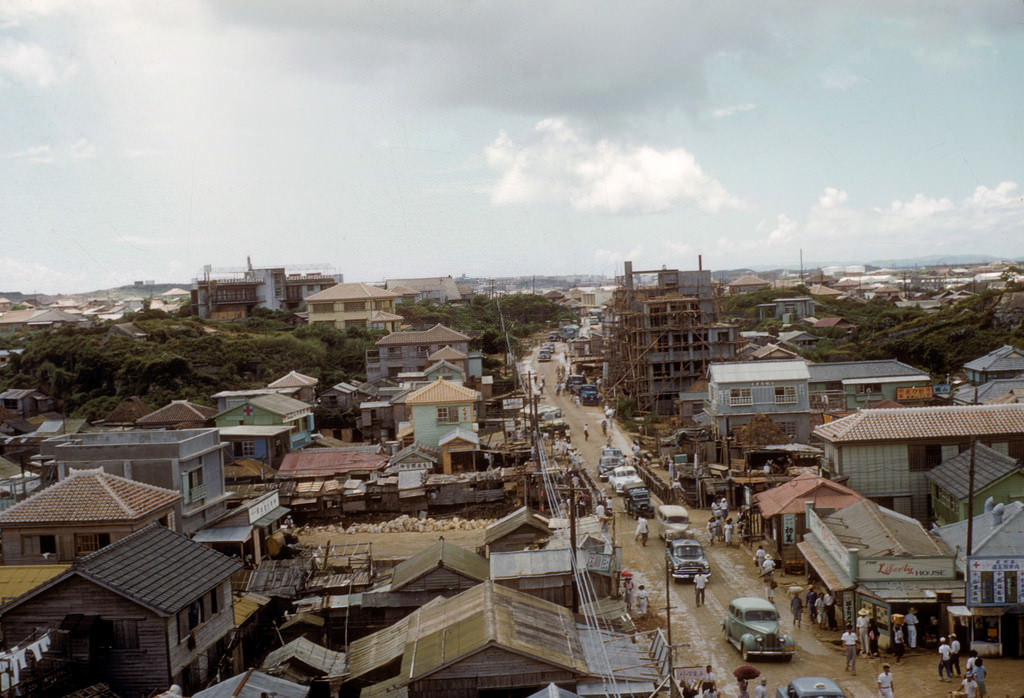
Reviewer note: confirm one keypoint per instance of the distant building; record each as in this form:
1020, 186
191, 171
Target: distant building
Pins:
232, 294
441, 289
410, 351
1005, 362
354, 305
850, 385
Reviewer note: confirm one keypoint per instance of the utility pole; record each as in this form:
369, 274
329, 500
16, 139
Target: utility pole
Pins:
668, 617
970, 493
572, 538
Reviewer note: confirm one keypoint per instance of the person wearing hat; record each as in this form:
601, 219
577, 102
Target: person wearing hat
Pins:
885, 683
898, 640
944, 656
910, 620
969, 687
862, 631
761, 690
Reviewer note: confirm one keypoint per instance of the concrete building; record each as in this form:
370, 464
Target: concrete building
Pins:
778, 389
411, 351
189, 461
233, 293
354, 305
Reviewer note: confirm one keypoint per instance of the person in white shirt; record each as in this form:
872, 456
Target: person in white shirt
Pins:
700, 580
641, 600
761, 690
944, 654
862, 631
849, 639
969, 687
641, 530
910, 620
885, 683
954, 655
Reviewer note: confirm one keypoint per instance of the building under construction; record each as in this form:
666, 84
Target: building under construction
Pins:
663, 330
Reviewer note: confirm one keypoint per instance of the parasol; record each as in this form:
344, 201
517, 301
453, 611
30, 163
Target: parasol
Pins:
746, 672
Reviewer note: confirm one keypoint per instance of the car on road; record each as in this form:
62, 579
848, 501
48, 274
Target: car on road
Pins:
674, 522
574, 381
544, 355
607, 465
685, 558
751, 625
554, 337
623, 478
810, 687
589, 394
637, 501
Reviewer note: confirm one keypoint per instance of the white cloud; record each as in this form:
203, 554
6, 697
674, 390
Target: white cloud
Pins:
82, 149
38, 153
1004, 193
835, 79
31, 64
918, 207
560, 166
723, 112
832, 197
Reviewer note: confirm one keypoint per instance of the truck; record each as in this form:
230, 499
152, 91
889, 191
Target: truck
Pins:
637, 502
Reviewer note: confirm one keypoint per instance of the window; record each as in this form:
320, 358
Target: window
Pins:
740, 396
321, 307
923, 457
248, 448
447, 415
214, 602
122, 634
192, 485
354, 306
86, 543
785, 395
39, 545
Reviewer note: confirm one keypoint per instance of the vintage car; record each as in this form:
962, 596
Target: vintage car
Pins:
810, 687
623, 478
685, 558
637, 501
752, 626
674, 522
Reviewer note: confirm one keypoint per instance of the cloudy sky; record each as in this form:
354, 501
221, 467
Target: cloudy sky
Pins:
143, 139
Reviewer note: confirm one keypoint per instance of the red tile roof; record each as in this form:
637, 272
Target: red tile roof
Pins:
91, 496
789, 497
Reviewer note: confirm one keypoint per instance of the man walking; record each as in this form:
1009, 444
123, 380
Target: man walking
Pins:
862, 631
910, 620
849, 639
954, 654
700, 580
641, 530
944, 654
885, 683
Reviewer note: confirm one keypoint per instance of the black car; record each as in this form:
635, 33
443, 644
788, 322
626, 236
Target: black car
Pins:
685, 557
637, 502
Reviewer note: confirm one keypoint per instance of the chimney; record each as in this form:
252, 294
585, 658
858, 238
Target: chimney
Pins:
997, 514
989, 503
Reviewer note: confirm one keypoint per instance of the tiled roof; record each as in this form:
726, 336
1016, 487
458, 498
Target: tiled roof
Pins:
293, 379
990, 465
875, 530
154, 567
340, 292
748, 280
789, 497
1005, 358
441, 391
88, 496
988, 391
833, 371
435, 335
382, 316
178, 412
128, 411
925, 422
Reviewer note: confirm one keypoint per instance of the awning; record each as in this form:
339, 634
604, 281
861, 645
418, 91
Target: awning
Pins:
967, 612
913, 591
270, 518
834, 579
225, 534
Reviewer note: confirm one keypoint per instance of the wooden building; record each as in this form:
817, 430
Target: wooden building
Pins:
147, 611
517, 531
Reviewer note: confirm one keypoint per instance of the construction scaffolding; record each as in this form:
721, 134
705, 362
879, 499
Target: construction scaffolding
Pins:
663, 331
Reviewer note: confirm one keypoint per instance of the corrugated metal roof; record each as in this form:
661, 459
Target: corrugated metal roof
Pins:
328, 463
245, 605
742, 372
254, 684
905, 423
325, 662
440, 554
877, 531
16, 580
510, 522
530, 563
1002, 538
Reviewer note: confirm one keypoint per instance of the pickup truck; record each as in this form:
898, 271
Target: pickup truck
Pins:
623, 478
638, 502
589, 395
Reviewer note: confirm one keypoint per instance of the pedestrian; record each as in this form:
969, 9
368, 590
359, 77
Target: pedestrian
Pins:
743, 689
759, 555
980, 674
719, 533
862, 631
819, 611
604, 427
602, 516
641, 600
954, 655
714, 509
830, 610
849, 640
641, 530
700, 581
969, 687
627, 590
910, 620
711, 531
707, 684
944, 660
727, 530
723, 508
885, 683
769, 589
796, 605
898, 642
586, 432
873, 637
761, 690
972, 657
812, 596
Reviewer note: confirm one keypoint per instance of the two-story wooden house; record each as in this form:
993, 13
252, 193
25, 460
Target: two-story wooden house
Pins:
776, 389
354, 305
272, 410
411, 351
444, 417
145, 612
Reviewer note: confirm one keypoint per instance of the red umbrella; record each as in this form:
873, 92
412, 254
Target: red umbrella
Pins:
746, 672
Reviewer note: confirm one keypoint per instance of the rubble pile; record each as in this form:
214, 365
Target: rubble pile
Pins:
406, 524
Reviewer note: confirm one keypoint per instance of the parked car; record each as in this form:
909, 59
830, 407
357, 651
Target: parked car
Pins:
623, 478
810, 687
606, 466
554, 336
574, 381
589, 394
611, 451
685, 558
544, 355
637, 502
751, 625
674, 522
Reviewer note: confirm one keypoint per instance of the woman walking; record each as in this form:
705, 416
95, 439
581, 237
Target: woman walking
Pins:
796, 605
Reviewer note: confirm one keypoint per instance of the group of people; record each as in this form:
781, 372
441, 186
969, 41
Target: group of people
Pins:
720, 527
631, 597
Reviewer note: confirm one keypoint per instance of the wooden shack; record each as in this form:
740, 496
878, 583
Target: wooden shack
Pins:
519, 530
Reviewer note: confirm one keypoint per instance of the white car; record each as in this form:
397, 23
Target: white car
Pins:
623, 478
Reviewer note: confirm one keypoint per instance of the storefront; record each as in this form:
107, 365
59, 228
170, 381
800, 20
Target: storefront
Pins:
246, 531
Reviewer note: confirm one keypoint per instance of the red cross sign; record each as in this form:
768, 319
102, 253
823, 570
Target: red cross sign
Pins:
248, 410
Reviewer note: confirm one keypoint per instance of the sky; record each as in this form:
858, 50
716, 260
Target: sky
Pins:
143, 140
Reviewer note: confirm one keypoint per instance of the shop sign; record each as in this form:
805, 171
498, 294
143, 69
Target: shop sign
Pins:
917, 392
994, 581
886, 568
789, 528
263, 507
